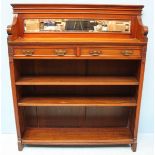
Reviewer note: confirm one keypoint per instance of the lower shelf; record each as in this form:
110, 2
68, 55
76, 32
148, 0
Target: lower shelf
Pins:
77, 136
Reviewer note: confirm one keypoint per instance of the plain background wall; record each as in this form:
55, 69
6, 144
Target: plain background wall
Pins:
147, 107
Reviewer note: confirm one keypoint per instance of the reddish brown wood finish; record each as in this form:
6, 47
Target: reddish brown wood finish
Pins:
77, 136
75, 88
77, 80
77, 101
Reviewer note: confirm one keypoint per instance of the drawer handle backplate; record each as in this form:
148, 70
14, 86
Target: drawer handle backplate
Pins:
60, 52
127, 53
95, 53
28, 52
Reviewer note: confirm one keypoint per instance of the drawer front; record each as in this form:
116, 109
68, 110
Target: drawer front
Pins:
112, 53
45, 52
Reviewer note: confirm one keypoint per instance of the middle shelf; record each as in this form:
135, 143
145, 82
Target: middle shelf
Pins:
77, 101
77, 95
77, 80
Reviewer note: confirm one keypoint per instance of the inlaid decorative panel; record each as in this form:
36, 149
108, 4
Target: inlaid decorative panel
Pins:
76, 25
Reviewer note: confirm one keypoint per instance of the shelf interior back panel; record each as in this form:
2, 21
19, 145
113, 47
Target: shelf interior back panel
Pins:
111, 68
76, 91
47, 117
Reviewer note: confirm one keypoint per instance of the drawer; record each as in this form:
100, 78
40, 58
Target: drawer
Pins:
111, 53
45, 52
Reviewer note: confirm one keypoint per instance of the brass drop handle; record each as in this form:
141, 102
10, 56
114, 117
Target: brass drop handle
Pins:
60, 52
95, 53
127, 53
28, 52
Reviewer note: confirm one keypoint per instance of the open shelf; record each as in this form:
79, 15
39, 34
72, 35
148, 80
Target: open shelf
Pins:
77, 136
77, 101
77, 80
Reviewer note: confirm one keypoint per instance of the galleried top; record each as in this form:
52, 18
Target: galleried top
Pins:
104, 22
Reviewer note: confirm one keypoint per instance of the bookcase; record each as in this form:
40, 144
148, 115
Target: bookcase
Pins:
77, 73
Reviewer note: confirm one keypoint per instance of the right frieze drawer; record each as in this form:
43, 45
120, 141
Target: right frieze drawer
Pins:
110, 53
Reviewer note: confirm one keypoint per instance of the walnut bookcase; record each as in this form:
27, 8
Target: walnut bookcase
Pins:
77, 73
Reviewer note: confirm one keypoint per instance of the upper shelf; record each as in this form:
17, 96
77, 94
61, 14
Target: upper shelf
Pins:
77, 80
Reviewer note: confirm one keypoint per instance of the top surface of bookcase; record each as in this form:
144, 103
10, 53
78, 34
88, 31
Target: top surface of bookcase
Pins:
20, 8
43, 21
